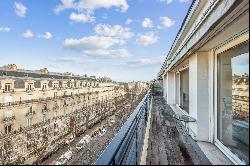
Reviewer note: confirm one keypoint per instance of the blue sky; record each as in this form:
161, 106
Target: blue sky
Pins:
125, 40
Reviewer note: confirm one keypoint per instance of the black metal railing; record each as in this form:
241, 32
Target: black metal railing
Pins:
126, 147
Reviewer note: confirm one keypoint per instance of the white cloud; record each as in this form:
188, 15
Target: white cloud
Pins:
97, 46
91, 5
20, 9
170, 1
147, 23
167, 22
144, 62
70, 59
91, 43
5, 29
82, 17
167, 1
66, 4
128, 21
47, 35
113, 31
183, 1
28, 34
110, 53
95, 4
147, 39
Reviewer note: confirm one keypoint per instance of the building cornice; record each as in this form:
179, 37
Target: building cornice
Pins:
213, 12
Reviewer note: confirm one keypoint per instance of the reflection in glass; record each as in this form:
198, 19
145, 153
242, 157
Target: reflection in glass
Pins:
233, 100
184, 90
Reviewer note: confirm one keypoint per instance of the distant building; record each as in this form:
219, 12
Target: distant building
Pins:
205, 74
39, 108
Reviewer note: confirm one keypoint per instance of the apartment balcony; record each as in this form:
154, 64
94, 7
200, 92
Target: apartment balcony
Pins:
8, 91
153, 136
9, 119
30, 113
45, 89
44, 111
57, 88
30, 90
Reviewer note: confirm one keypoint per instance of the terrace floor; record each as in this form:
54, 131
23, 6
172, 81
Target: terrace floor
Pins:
168, 143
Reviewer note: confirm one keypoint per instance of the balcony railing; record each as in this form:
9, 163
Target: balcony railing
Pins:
30, 113
126, 146
8, 91
8, 119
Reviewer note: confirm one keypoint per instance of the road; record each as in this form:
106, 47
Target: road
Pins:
93, 149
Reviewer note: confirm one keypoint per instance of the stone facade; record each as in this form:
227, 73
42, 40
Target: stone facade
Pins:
39, 109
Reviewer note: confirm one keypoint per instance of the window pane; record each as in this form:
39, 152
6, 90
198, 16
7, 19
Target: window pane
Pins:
233, 100
184, 90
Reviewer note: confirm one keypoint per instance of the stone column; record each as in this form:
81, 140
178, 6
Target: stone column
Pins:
199, 94
170, 88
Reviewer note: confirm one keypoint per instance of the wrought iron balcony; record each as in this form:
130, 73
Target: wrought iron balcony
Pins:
126, 146
30, 113
30, 90
8, 91
8, 119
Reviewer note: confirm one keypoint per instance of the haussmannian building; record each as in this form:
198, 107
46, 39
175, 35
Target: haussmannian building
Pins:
206, 74
41, 108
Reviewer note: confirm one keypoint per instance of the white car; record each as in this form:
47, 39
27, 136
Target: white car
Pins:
61, 161
86, 139
79, 146
64, 158
68, 154
69, 139
102, 132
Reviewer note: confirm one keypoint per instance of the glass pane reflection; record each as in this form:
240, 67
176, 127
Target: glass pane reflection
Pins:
233, 100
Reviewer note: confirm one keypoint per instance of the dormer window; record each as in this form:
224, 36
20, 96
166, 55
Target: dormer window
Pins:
7, 87
55, 85
44, 86
30, 87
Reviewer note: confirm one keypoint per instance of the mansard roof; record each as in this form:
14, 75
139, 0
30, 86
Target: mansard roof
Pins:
37, 75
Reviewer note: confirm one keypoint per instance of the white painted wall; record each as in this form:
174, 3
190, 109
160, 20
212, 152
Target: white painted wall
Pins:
199, 94
170, 88
193, 86
165, 87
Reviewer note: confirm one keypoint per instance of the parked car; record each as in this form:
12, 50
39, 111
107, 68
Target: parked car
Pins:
86, 139
101, 132
53, 150
68, 154
69, 140
61, 161
64, 158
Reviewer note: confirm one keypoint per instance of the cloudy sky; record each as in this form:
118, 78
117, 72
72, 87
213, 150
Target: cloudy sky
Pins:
125, 40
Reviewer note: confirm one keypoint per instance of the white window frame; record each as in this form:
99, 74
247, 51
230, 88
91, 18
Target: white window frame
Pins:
29, 122
226, 46
8, 126
7, 87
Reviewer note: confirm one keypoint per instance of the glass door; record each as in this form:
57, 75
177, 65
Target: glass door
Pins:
233, 100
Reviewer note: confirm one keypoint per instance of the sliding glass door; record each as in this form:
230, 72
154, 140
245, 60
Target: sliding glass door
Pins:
233, 100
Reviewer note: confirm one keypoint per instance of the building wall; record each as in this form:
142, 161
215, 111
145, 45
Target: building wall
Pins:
201, 51
78, 105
